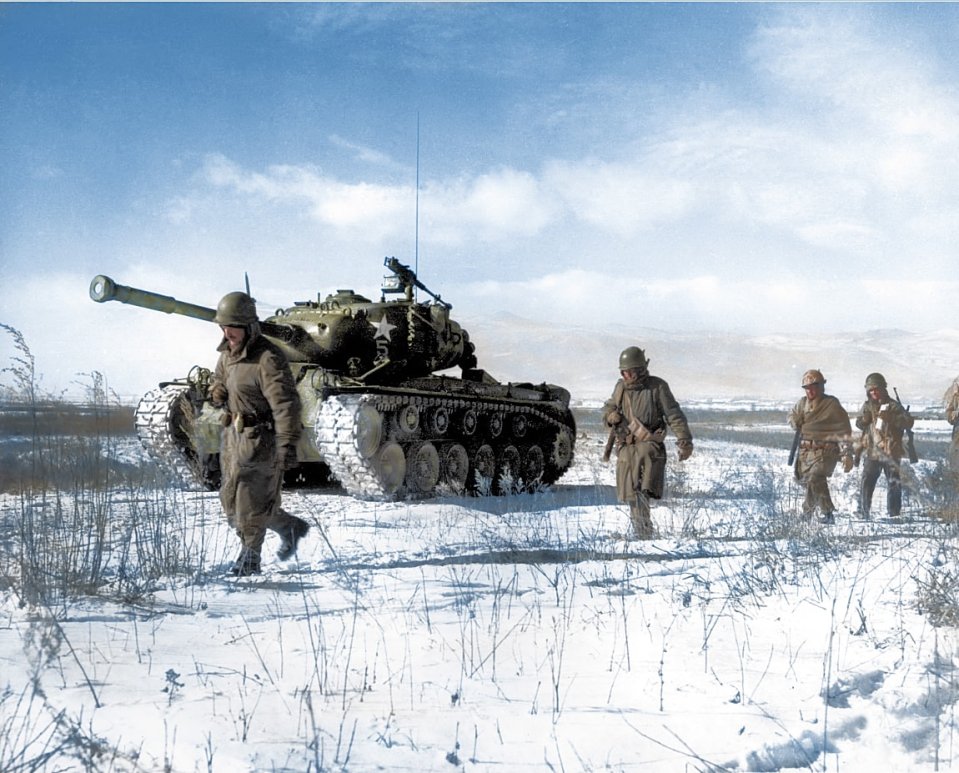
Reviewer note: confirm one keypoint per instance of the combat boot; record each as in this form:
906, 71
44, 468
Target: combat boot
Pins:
641, 521
290, 537
247, 563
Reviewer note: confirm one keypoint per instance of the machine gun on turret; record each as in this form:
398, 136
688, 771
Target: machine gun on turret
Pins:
404, 280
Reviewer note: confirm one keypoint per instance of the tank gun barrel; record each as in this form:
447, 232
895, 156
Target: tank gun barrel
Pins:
103, 289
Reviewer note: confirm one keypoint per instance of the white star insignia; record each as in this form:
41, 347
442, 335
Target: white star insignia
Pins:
383, 328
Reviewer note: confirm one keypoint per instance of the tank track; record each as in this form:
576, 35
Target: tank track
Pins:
388, 446
162, 419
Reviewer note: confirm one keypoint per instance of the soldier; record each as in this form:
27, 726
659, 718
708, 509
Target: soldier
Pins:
824, 437
262, 425
882, 421
952, 416
638, 413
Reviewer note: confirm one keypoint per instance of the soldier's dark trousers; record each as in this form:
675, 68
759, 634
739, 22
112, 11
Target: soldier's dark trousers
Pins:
871, 470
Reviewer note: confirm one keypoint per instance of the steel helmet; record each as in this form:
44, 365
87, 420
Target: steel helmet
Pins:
236, 310
813, 376
633, 357
875, 380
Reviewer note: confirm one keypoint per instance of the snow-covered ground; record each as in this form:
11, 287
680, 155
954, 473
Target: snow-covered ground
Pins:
508, 634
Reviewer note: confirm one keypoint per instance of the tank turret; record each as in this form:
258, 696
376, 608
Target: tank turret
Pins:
380, 416
346, 333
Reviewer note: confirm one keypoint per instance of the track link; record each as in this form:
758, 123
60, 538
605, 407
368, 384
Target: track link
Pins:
163, 427
385, 447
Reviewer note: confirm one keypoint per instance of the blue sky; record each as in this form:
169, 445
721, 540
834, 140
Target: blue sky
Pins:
765, 168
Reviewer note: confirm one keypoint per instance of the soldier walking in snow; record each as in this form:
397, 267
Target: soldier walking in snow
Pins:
952, 416
883, 422
638, 413
254, 383
824, 433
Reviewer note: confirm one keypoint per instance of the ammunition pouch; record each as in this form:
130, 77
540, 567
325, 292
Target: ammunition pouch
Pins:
819, 445
639, 433
241, 421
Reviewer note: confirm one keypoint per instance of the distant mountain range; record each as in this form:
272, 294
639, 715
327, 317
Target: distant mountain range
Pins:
704, 366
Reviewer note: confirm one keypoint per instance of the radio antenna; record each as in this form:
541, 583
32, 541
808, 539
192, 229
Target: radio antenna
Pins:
416, 236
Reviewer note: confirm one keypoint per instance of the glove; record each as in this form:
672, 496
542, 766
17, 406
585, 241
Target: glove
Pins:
218, 395
613, 418
684, 449
847, 463
288, 456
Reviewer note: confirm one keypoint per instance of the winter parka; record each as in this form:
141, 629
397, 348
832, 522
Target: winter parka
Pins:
883, 423
641, 466
263, 410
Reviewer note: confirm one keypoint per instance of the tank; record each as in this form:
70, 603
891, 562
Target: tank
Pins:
385, 411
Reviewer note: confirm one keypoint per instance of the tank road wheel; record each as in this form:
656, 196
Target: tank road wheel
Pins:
509, 460
495, 425
533, 466
439, 421
520, 425
422, 469
469, 422
368, 430
390, 465
484, 467
408, 419
456, 468
508, 470
560, 455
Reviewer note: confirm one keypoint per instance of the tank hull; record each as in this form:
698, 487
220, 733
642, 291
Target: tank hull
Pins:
378, 413
420, 438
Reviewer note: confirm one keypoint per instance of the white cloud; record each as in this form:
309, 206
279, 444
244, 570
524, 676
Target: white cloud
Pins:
369, 211
841, 55
495, 206
363, 153
620, 198
844, 150
795, 304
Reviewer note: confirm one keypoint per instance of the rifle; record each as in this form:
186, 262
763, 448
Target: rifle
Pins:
610, 441
618, 430
795, 447
910, 440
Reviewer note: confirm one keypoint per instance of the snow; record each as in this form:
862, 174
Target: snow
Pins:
510, 633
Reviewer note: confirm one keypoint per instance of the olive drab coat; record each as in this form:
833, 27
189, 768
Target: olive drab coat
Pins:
263, 410
822, 420
883, 424
952, 416
826, 434
651, 402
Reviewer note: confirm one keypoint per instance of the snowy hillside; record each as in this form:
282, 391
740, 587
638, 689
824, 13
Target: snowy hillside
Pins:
720, 366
